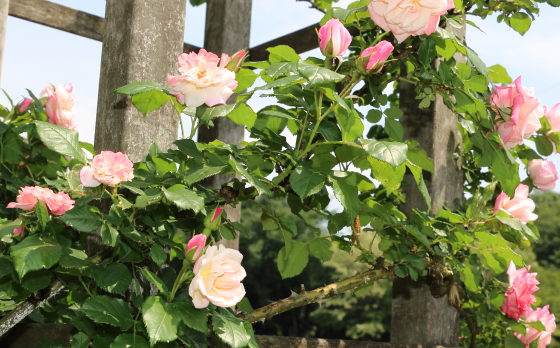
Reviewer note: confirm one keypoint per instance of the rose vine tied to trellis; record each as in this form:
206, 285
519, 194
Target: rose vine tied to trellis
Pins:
147, 288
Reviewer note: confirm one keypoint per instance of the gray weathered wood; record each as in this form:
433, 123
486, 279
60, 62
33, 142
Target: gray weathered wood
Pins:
4, 7
228, 25
418, 317
301, 41
142, 41
299, 342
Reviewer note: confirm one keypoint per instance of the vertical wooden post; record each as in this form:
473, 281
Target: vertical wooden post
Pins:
4, 9
228, 25
142, 41
418, 317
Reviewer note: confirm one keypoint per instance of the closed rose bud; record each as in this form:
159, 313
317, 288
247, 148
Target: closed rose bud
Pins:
372, 58
197, 244
543, 173
20, 230
213, 221
236, 61
334, 38
24, 105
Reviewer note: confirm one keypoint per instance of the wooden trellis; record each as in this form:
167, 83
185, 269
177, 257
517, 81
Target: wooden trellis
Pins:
119, 127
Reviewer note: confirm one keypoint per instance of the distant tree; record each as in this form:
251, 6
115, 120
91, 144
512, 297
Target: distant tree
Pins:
547, 249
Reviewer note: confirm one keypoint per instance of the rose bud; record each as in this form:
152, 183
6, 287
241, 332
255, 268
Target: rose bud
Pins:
543, 173
372, 58
334, 38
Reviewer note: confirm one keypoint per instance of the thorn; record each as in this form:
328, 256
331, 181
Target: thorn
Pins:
302, 288
293, 293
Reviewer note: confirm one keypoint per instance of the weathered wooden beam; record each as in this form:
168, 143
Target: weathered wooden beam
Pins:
299, 342
4, 9
301, 41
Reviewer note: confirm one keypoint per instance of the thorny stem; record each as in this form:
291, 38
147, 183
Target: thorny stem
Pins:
472, 327
178, 280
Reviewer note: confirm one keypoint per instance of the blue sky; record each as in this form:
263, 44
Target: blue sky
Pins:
36, 55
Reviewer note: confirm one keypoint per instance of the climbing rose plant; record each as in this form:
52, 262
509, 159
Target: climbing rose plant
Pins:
158, 275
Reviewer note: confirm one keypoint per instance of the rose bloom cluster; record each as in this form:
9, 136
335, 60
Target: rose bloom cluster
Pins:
59, 106
517, 305
57, 203
521, 206
206, 79
107, 168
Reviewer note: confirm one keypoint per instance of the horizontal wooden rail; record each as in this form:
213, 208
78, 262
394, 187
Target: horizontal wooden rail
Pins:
299, 342
87, 25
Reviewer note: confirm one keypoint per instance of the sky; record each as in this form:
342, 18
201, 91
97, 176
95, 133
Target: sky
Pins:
36, 55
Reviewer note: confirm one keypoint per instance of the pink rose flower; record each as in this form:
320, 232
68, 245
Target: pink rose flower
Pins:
24, 105
20, 230
218, 276
543, 173
334, 38
203, 81
108, 168
406, 18
525, 113
520, 206
545, 337
86, 177
372, 58
519, 296
235, 62
197, 242
57, 203
60, 104
553, 117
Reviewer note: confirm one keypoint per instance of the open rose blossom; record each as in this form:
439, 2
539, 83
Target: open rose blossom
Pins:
198, 243
372, 58
519, 297
406, 18
525, 113
218, 276
107, 168
553, 117
58, 203
520, 206
334, 38
60, 105
544, 337
543, 173
203, 80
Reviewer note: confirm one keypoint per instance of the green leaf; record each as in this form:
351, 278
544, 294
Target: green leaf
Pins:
157, 253
306, 182
281, 68
296, 261
477, 62
154, 279
513, 342
33, 254
393, 112
61, 140
185, 199
419, 235
401, 271
374, 116
317, 75
420, 158
468, 278
37, 280
42, 213
498, 74
73, 258
245, 79
544, 146
351, 125
147, 102
82, 219
520, 22
538, 325
282, 53
129, 341
206, 114
321, 248
109, 234
252, 179
137, 87
427, 51
505, 171
161, 320
394, 129
392, 153
108, 310
80, 340
192, 317
7, 228
188, 147
230, 329
243, 115
329, 131
346, 192
115, 278
417, 173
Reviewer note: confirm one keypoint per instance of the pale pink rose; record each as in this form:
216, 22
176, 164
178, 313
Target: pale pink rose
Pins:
553, 117
86, 177
24, 105
519, 297
28, 197
218, 276
525, 112
545, 337
372, 58
520, 206
20, 230
111, 168
59, 106
543, 173
334, 38
406, 18
58, 203
197, 242
203, 81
